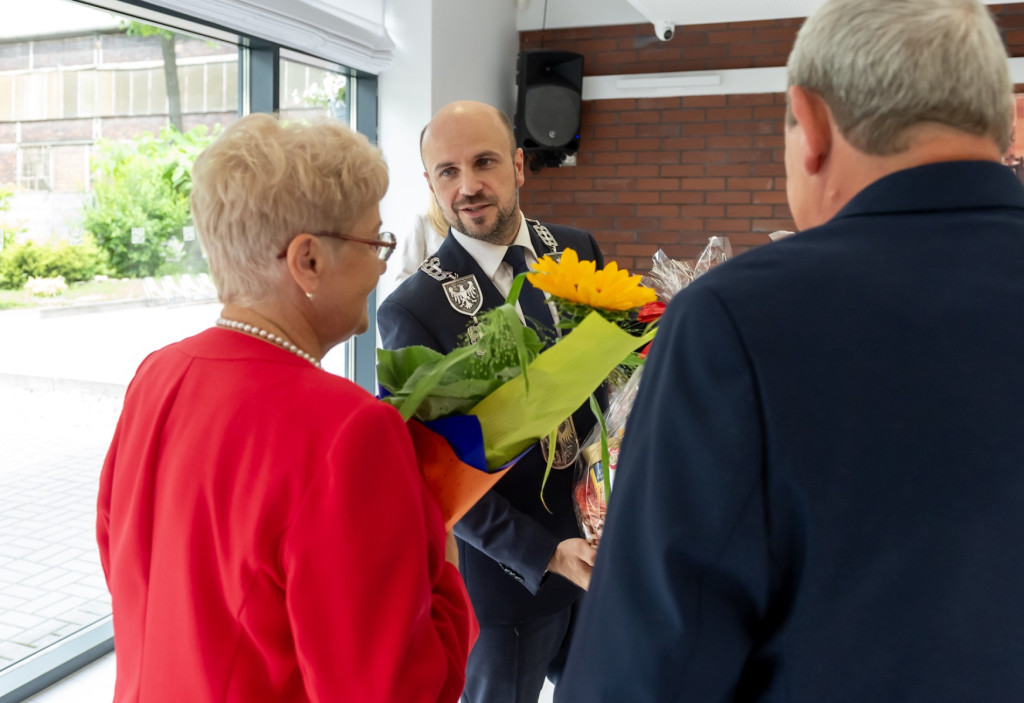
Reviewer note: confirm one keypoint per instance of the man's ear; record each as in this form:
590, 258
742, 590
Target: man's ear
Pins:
815, 124
430, 184
518, 160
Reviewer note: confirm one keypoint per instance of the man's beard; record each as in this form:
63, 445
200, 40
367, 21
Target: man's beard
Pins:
506, 224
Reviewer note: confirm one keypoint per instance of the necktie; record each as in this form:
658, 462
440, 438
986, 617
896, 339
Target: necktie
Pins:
531, 301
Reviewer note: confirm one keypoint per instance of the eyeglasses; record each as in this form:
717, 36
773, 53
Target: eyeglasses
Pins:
385, 243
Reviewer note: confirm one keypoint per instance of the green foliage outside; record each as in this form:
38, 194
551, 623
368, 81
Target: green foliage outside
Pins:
19, 262
145, 183
7, 231
333, 92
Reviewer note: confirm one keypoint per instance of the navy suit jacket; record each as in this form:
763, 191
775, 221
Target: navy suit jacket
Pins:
820, 495
506, 540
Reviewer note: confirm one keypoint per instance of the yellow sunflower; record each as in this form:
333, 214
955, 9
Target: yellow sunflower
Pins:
560, 278
579, 282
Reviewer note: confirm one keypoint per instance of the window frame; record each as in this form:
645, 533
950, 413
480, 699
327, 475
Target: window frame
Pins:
40, 158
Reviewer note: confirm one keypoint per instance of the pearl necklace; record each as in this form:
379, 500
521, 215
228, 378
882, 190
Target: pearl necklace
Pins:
255, 331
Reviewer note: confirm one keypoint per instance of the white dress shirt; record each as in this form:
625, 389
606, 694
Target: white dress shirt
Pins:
490, 258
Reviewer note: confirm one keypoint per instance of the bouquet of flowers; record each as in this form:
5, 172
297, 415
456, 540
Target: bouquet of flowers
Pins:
578, 290
474, 411
595, 471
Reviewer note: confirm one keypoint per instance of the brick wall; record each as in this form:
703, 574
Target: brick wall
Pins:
64, 51
8, 166
118, 48
70, 168
191, 47
670, 172
56, 130
14, 57
129, 127
210, 119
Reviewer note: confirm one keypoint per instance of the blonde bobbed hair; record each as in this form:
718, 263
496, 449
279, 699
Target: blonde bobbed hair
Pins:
263, 181
436, 217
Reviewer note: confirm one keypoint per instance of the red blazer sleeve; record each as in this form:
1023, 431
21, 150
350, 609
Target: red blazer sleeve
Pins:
103, 511
377, 613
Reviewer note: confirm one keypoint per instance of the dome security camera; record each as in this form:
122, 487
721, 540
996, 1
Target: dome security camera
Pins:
664, 30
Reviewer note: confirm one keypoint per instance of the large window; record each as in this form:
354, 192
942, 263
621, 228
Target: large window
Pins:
78, 98
34, 172
111, 74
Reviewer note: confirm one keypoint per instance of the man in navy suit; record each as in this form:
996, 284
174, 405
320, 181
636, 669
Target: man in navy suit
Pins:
819, 497
525, 568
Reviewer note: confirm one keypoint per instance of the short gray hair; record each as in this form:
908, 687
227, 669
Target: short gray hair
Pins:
887, 66
263, 181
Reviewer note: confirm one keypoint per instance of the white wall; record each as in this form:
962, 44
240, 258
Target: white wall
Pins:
445, 50
475, 47
559, 14
405, 104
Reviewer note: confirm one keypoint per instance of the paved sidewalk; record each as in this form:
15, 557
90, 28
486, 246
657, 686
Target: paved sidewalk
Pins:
51, 584
62, 379
63, 373
96, 346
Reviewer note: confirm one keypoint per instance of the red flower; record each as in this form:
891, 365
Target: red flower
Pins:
651, 312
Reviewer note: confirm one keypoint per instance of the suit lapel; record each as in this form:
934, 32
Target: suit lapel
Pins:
458, 261
455, 259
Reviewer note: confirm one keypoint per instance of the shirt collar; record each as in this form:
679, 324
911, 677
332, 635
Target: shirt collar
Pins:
490, 256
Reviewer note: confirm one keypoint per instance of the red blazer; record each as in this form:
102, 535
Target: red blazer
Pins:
266, 536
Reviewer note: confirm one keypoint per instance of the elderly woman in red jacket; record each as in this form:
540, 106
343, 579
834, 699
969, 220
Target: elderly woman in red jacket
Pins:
262, 525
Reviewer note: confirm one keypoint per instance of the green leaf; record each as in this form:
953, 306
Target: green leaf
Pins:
426, 378
467, 388
427, 385
552, 439
605, 453
394, 367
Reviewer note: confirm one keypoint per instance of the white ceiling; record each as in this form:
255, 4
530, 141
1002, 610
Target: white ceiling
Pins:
560, 14
349, 32
683, 12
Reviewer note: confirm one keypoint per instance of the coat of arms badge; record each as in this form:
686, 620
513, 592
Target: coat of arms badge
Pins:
567, 445
464, 294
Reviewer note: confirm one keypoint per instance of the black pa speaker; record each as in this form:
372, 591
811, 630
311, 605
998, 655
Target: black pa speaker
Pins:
547, 123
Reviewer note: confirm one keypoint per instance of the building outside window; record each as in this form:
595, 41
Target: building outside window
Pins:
34, 167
